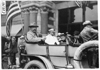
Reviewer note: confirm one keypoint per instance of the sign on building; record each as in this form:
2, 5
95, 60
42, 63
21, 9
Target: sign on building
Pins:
3, 7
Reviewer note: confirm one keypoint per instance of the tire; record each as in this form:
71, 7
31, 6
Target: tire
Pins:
36, 64
77, 63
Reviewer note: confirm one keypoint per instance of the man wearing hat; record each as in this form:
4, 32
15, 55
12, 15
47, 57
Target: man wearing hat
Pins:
87, 31
32, 34
51, 39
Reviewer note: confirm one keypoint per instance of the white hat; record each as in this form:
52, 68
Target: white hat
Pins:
59, 34
87, 22
22, 37
51, 30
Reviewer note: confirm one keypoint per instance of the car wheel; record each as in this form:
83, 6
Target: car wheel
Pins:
34, 64
77, 56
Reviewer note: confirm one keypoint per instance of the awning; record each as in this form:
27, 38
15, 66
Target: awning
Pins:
15, 30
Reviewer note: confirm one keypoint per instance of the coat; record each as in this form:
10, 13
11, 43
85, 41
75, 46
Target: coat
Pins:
87, 33
13, 47
32, 37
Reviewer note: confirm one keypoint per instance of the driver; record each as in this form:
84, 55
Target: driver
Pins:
87, 31
86, 34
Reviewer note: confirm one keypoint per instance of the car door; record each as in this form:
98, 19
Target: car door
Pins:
57, 55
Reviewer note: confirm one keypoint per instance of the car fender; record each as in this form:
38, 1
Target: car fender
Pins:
47, 63
77, 63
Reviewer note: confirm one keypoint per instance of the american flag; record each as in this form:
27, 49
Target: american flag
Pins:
14, 10
82, 3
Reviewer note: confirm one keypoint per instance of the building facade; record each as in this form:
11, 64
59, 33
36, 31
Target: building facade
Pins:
63, 16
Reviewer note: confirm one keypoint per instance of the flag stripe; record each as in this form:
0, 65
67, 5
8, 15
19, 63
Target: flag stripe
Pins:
8, 28
79, 3
13, 4
14, 10
13, 7
13, 15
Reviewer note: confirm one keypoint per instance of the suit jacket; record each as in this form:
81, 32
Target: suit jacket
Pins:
32, 37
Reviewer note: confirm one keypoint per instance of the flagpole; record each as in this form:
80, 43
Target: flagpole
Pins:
84, 9
83, 14
21, 20
22, 23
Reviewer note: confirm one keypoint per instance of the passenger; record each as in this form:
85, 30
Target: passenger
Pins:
59, 37
51, 39
63, 39
76, 36
87, 31
32, 35
76, 33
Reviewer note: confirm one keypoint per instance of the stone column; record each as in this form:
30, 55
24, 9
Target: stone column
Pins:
44, 20
56, 21
26, 18
33, 15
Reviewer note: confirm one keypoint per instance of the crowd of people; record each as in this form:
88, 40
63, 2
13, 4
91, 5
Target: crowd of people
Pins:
50, 38
9, 49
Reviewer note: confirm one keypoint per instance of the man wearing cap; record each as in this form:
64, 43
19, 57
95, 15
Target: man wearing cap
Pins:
87, 31
51, 39
32, 34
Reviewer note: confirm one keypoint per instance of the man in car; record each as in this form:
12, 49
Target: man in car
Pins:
51, 39
32, 35
87, 31
86, 34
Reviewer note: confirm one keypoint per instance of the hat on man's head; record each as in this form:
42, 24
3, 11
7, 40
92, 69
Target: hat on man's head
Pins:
51, 30
62, 34
87, 23
22, 37
33, 25
58, 34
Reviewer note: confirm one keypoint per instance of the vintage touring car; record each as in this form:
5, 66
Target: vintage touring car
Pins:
35, 56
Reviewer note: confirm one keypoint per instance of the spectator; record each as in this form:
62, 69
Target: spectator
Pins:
4, 41
13, 47
21, 41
